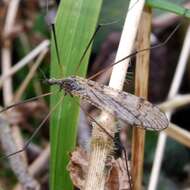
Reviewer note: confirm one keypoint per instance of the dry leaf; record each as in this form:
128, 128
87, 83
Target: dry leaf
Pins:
117, 178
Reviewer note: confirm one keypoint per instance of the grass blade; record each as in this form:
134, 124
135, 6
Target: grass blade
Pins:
75, 24
169, 6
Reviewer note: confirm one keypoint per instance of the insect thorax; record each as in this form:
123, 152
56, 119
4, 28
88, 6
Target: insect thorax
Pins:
70, 85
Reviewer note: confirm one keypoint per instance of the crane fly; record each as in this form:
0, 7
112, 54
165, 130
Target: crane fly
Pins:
135, 111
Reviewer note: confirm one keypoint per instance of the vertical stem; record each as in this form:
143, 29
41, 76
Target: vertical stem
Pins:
101, 147
6, 65
176, 82
101, 143
141, 89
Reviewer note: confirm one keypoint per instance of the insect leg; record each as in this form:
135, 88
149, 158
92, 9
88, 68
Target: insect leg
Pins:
26, 101
136, 52
109, 135
34, 133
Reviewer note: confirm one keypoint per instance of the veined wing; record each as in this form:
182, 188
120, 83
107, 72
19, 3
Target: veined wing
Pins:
129, 108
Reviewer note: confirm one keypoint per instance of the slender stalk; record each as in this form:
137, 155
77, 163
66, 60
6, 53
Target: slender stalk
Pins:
6, 66
101, 144
18, 166
26, 60
30, 75
180, 135
173, 91
38, 165
141, 89
175, 103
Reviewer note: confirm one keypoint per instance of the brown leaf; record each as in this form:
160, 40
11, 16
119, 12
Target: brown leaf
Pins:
117, 178
78, 167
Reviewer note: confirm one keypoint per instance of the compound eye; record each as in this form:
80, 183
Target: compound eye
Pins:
76, 86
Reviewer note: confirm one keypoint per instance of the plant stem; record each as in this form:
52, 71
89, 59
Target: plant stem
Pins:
116, 81
141, 89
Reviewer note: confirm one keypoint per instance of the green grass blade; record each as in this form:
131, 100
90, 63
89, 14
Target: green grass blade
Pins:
75, 24
169, 6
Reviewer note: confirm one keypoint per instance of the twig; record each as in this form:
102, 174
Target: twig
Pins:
10, 17
40, 163
36, 167
36, 83
30, 75
16, 162
6, 50
6, 61
173, 91
175, 103
178, 134
6, 64
27, 59
101, 144
141, 89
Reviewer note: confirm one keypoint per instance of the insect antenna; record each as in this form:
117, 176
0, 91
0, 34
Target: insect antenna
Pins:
35, 132
87, 47
56, 47
91, 40
53, 29
43, 74
25, 101
138, 51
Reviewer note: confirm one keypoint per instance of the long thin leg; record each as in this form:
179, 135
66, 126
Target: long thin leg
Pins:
136, 52
35, 132
25, 101
119, 144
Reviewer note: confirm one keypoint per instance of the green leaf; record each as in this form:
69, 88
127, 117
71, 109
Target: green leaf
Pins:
169, 6
75, 24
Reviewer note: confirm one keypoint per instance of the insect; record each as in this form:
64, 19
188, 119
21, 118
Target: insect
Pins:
79, 86
136, 111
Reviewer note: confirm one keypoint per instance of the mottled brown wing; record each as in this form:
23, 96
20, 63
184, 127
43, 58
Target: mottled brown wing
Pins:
134, 110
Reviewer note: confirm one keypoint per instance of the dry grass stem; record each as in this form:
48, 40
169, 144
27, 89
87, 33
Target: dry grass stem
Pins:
173, 91
26, 60
178, 134
30, 75
38, 165
99, 153
6, 62
175, 103
10, 137
17, 164
141, 89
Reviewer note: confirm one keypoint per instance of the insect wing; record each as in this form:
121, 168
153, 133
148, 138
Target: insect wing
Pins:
129, 108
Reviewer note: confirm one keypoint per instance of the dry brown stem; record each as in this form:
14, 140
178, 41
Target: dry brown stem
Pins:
30, 75
38, 165
99, 153
8, 137
141, 89
17, 164
179, 134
